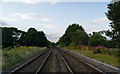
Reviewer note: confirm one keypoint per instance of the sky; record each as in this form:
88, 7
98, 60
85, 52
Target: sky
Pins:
54, 17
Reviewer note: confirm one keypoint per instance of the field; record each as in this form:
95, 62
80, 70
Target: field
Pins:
18, 54
108, 57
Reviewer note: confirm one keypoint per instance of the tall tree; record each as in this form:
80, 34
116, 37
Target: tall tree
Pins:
41, 39
10, 36
30, 37
113, 15
74, 35
34, 38
97, 39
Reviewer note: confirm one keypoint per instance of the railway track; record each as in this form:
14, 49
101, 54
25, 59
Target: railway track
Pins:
78, 66
56, 60
32, 65
55, 63
43, 63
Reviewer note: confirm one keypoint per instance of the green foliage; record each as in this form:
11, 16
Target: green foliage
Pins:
13, 37
34, 38
109, 44
85, 48
74, 35
113, 15
16, 55
97, 39
98, 53
10, 36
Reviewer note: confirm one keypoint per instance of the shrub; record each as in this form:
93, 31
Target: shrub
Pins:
83, 47
101, 50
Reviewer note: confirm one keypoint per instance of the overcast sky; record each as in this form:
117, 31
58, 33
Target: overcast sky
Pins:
54, 17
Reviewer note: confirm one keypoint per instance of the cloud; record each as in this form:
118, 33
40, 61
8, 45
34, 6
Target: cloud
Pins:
98, 24
26, 16
54, 37
45, 19
3, 24
7, 19
31, 16
50, 26
98, 21
52, 2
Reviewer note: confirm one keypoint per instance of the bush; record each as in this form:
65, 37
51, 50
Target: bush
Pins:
83, 47
101, 50
97, 51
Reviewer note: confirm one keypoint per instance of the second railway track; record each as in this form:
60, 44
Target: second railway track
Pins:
78, 66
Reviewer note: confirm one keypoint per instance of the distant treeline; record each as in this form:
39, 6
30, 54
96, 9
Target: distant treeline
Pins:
13, 37
76, 35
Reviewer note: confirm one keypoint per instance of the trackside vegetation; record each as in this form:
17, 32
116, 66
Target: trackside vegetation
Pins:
18, 45
106, 55
13, 56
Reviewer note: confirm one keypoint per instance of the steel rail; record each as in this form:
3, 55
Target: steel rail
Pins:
16, 69
83, 62
37, 72
67, 65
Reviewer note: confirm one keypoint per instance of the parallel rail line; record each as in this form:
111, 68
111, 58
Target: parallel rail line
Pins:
66, 64
82, 61
39, 69
41, 66
62, 56
30, 61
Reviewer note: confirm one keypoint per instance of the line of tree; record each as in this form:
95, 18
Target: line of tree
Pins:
13, 37
76, 35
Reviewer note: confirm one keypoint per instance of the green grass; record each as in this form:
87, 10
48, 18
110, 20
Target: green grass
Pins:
0, 60
109, 59
16, 55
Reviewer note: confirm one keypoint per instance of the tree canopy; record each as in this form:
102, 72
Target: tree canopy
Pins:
74, 35
34, 38
12, 36
97, 39
113, 15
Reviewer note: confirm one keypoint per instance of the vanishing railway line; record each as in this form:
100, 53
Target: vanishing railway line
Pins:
55, 63
55, 60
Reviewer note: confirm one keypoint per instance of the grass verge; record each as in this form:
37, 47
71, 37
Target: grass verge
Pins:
16, 55
109, 59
